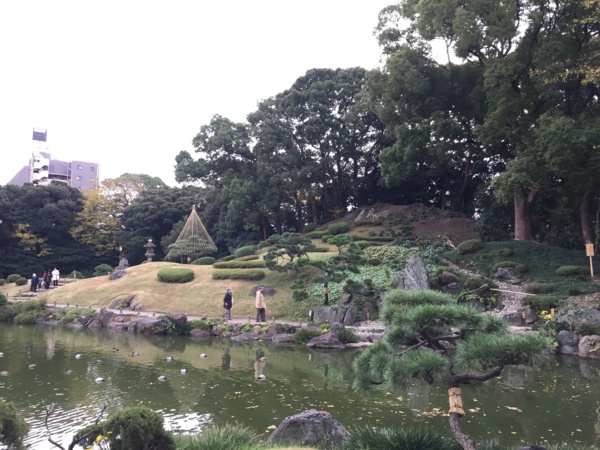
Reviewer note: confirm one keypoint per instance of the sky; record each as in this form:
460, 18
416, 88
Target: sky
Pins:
128, 83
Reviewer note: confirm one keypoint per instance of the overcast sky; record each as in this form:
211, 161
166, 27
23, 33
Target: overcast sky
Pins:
128, 83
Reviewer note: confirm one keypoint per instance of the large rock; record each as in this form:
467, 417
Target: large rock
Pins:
568, 343
106, 316
341, 314
149, 325
124, 302
336, 328
178, 319
445, 278
415, 274
246, 337
509, 275
310, 428
199, 333
515, 317
284, 338
327, 340
119, 271
589, 347
398, 281
577, 316
350, 316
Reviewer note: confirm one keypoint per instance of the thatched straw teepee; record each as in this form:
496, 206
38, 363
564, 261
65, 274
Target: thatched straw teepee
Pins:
193, 241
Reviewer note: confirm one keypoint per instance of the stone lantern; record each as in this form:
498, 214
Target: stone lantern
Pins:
149, 250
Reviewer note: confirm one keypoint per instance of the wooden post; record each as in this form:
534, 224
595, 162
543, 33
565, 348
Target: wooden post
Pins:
454, 396
589, 251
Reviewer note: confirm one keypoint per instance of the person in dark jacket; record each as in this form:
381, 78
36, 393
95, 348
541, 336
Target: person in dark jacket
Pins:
228, 303
34, 282
48, 279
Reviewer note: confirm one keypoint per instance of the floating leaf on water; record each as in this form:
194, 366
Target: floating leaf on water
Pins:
514, 408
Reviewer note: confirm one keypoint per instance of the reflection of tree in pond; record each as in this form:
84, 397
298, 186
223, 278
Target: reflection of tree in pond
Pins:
226, 359
259, 367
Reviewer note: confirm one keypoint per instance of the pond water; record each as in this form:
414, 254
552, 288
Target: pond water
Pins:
559, 403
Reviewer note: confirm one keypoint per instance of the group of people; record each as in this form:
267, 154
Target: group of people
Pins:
43, 281
261, 305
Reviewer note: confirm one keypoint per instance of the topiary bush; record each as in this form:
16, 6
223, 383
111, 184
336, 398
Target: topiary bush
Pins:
29, 305
303, 335
101, 270
133, 428
13, 277
570, 271
226, 258
543, 302
78, 275
539, 288
28, 317
505, 264
241, 274
2, 281
248, 258
321, 250
390, 256
175, 275
338, 228
504, 252
239, 264
246, 250
473, 283
21, 281
3, 299
13, 427
469, 246
326, 237
204, 261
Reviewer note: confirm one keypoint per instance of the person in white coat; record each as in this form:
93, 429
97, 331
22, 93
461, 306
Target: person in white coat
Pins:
55, 277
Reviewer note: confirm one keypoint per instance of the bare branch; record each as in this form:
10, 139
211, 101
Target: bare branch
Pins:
49, 411
90, 433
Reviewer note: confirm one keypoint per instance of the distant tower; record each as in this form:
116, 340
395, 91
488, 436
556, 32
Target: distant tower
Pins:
40, 158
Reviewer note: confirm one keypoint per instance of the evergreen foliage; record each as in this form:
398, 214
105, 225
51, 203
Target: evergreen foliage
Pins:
13, 427
175, 275
101, 270
246, 250
239, 264
233, 274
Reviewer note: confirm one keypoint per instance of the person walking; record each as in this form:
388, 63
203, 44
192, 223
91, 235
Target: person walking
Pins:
34, 282
261, 305
55, 277
48, 279
228, 303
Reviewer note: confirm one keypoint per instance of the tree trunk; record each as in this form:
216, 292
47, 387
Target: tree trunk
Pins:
523, 200
464, 440
584, 213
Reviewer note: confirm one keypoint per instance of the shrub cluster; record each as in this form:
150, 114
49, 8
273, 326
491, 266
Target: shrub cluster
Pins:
13, 277
321, 250
504, 252
326, 237
246, 250
543, 302
469, 246
101, 270
175, 275
227, 258
367, 222
204, 261
386, 255
248, 258
521, 268
21, 281
347, 337
69, 314
376, 238
309, 227
303, 335
233, 274
317, 234
78, 275
473, 283
571, 271
3, 299
2, 281
239, 264
338, 228
13, 427
539, 288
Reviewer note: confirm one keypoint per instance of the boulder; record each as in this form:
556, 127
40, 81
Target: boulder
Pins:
336, 327
246, 337
199, 333
398, 281
327, 340
452, 288
310, 428
368, 310
178, 319
350, 316
75, 325
509, 275
415, 274
329, 314
125, 301
95, 324
568, 343
119, 326
516, 317
346, 299
274, 329
445, 278
217, 330
119, 271
257, 330
577, 316
106, 316
284, 338
149, 325
589, 347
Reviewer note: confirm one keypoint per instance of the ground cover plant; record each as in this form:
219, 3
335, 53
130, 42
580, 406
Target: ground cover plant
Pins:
541, 261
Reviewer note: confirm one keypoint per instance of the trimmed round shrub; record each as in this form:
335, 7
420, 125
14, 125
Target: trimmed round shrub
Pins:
571, 271
29, 305
78, 275
338, 228
469, 246
13, 427
13, 277
321, 250
204, 261
3, 299
368, 222
504, 252
226, 258
473, 283
7, 313
101, 270
28, 317
309, 227
363, 244
175, 275
239, 264
2, 281
522, 268
233, 274
326, 237
543, 302
317, 234
539, 288
246, 250
21, 281
506, 265
303, 335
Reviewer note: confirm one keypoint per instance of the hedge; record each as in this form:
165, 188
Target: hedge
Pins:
233, 274
248, 258
504, 252
326, 237
204, 261
539, 288
21, 281
239, 264
570, 271
175, 275
469, 246
13, 277
338, 228
362, 222
246, 250
2, 281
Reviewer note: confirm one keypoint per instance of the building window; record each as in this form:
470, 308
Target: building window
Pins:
79, 167
78, 177
92, 168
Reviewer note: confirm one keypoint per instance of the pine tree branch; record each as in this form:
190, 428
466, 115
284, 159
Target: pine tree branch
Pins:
456, 380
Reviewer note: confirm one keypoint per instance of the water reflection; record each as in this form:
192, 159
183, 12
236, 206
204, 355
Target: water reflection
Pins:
559, 402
